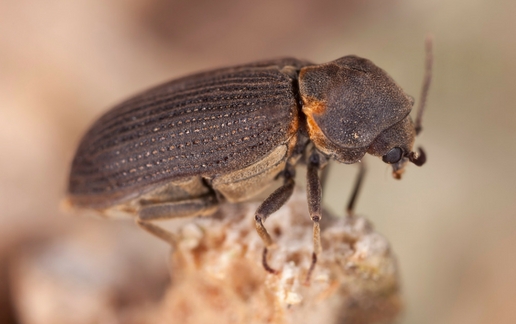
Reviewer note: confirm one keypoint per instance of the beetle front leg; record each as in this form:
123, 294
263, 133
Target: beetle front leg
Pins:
274, 202
168, 210
316, 162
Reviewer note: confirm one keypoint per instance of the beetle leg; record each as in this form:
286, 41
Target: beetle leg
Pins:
356, 189
169, 210
274, 202
324, 175
158, 231
316, 162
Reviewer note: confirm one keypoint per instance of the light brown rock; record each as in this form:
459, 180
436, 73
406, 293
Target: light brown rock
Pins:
217, 274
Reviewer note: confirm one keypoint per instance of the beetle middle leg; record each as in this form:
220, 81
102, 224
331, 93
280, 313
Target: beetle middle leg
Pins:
274, 202
316, 162
202, 206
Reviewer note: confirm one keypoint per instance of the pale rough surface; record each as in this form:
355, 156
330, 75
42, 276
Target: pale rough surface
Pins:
107, 274
217, 271
97, 274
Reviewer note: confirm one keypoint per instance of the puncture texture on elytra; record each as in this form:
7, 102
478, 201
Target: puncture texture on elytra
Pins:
205, 125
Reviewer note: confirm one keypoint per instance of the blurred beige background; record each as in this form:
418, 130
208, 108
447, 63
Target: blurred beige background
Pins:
452, 223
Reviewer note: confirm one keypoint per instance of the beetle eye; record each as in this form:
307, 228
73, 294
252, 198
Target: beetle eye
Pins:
393, 156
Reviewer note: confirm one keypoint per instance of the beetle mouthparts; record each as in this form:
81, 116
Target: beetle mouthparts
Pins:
399, 168
397, 173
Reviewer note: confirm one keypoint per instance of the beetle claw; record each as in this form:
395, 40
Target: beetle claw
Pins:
265, 264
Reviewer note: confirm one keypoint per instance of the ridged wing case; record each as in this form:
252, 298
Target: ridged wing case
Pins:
205, 124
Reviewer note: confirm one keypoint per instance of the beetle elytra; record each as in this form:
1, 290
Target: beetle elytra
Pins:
180, 149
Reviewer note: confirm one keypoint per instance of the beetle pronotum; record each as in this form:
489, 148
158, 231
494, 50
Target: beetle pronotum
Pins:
181, 148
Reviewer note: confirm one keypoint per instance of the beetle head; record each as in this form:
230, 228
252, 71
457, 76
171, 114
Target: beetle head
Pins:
394, 146
353, 107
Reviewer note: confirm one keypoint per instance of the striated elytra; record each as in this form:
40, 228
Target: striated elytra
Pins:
181, 148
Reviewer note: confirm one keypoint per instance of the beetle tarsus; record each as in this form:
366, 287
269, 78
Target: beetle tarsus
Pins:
274, 202
265, 264
262, 231
311, 269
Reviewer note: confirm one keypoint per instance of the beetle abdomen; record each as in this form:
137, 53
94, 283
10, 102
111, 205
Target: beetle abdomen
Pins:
206, 124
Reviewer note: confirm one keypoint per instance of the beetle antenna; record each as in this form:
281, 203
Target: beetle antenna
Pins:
417, 158
426, 82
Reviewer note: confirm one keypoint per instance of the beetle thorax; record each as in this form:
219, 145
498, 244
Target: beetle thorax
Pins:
348, 103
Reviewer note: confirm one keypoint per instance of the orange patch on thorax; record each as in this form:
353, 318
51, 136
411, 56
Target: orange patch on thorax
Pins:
311, 107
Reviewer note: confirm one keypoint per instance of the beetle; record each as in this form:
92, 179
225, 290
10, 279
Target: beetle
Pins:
182, 148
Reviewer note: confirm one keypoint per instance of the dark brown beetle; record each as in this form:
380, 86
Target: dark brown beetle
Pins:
180, 149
